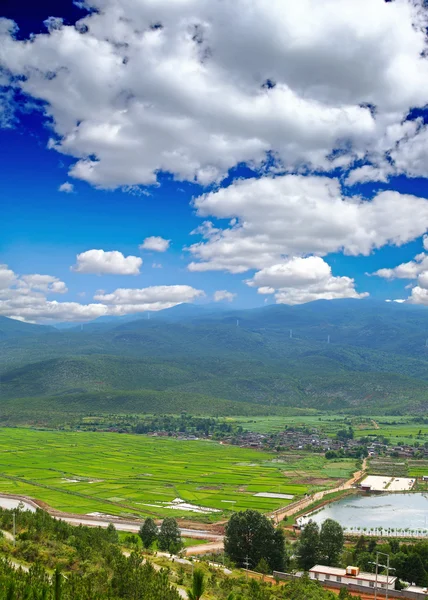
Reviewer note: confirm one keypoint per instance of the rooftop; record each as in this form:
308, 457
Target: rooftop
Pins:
335, 571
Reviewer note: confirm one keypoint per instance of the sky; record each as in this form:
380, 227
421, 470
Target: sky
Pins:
246, 153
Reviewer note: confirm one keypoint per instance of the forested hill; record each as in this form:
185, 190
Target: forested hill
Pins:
358, 355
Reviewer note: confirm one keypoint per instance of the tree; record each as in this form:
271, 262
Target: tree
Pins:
57, 584
308, 548
148, 532
331, 542
198, 585
112, 535
169, 536
262, 567
250, 535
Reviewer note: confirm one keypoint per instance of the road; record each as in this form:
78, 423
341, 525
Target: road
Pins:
134, 527
216, 541
296, 507
91, 521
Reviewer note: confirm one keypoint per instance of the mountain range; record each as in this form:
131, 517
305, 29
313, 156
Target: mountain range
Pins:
353, 355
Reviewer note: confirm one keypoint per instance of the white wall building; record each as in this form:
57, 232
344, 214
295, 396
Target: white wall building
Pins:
351, 575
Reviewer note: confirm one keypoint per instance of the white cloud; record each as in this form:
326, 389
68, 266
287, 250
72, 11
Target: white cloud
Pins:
66, 187
156, 266
155, 243
301, 280
409, 270
100, 262
416, 270
128, 100
44, 283
221, 295
7, 277
24, 298
129, 300
291, 215
369, 173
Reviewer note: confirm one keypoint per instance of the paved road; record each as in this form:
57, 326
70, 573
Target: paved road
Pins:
134, 527
120, 524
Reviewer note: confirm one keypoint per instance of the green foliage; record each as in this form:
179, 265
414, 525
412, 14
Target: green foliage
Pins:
250, 536
169, 538
315, 545
375, 362
331, 542
148, 532
87, 563
198, 585
308, 548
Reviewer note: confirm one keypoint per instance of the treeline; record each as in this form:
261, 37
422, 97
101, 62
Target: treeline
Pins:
188, 424
81, 563
129, 579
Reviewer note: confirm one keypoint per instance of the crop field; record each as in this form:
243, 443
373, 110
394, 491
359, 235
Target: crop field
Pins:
328, 424
124, 474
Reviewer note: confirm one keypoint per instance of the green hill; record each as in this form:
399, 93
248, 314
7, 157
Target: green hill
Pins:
376, 359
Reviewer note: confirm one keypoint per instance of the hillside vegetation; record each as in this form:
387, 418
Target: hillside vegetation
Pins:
353, 355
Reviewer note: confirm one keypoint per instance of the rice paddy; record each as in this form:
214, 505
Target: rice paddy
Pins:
121, 474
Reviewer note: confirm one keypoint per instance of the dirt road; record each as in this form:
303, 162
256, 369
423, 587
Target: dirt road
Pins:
296, 507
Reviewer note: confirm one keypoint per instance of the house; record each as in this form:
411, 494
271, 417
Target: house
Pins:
351, 575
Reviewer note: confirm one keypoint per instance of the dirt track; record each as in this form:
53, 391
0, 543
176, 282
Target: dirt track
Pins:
305, 502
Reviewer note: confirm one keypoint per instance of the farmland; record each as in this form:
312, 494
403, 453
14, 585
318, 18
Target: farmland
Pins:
120, 474
398, 429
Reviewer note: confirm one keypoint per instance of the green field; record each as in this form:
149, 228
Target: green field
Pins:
126, 474
399, 430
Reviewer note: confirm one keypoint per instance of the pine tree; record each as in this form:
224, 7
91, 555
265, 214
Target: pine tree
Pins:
169, 536
198, 585
148, 532
308, 548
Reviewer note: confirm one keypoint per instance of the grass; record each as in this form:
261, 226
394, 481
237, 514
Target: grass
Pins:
124, 474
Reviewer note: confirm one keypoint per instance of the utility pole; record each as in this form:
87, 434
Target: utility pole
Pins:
14, 527
247, 564
388, 569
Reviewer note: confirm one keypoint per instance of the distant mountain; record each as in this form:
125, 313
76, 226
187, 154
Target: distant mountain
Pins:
356, 355
14, 328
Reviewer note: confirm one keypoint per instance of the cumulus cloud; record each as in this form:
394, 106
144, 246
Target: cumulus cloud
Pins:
158, 297
408, 270
66, 187
156, 244
221, 295
301, 280
136, 88
44, 283
100, 262
7, 277
25, 298
416, 270
292, 214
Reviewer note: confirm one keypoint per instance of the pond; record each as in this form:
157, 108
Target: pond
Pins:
9, 503
398, 512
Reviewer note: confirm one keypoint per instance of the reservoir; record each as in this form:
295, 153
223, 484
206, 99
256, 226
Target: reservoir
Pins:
398, 512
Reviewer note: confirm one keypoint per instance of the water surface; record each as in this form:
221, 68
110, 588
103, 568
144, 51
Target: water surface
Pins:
396, 511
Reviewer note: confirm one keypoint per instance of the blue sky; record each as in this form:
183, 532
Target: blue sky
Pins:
124, 121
